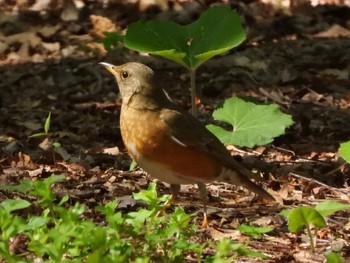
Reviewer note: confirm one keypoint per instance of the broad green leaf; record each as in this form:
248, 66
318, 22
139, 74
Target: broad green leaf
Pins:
344, 151
254, 231
252, 124
329, 207
304, 216
14, 204
334, 258
217, 30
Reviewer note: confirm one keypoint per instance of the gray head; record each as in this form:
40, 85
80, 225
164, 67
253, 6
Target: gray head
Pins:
135, 81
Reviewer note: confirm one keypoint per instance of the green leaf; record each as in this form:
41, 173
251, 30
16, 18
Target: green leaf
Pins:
37, 135
133, 165
54, 179
344, 151
47, 123
24, 187
36, 222
303, 217
43, 189
63, 200
285, 212
253, 124
14, 204
329, 207
150, 196
254, 231
56, 144
226, 247
217, 30
334, 258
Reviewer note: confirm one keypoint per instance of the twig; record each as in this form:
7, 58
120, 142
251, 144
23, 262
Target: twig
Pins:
343, 191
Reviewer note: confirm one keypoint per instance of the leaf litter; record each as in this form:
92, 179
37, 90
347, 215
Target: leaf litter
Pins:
304, 69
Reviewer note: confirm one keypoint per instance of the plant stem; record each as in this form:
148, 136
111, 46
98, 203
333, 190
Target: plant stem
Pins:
312, 245
193, 92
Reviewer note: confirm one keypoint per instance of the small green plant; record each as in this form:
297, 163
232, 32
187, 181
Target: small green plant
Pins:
253, 231
46, 133
217, 30
62, 233
48, 143
306, 216
227, 251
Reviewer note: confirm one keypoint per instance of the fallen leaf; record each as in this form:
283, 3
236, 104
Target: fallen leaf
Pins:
52, 47
334, 31
112, 151
102, 24
70, 12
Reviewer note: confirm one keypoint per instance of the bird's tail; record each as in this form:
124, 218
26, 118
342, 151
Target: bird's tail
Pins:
240, 178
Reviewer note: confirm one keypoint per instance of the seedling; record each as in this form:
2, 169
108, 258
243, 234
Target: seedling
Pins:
47, 143
306, 216
227, 251
217, 30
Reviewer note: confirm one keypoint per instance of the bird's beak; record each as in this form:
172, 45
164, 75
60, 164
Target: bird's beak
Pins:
109, 67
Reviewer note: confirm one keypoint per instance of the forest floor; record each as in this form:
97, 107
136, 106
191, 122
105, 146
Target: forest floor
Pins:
298, 58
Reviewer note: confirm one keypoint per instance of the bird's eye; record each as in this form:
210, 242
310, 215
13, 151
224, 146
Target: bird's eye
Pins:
125, 74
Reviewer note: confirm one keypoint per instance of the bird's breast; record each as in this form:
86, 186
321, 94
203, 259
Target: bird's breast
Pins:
150, 142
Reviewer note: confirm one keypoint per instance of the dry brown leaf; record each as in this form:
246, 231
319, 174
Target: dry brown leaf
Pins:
102, 24
70, 12
48, 31
112, 151
25, 37
307, 257
218, 235
52, 47
334, 31
45, 144
98, 47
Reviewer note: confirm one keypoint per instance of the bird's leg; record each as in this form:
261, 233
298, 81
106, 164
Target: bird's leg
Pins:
174, 190
203, 193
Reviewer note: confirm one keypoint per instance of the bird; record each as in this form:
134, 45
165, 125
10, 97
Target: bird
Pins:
169, 143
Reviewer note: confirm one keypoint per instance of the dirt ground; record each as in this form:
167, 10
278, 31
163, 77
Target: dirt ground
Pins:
296, 57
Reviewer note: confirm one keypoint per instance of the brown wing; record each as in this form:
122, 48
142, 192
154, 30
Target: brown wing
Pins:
188, 131
192, 133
